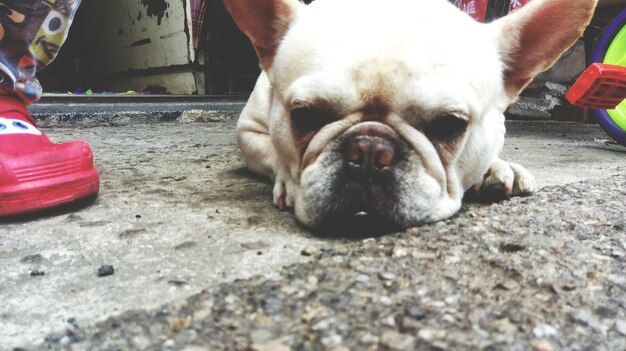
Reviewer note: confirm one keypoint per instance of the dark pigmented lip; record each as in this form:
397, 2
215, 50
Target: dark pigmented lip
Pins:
356, 224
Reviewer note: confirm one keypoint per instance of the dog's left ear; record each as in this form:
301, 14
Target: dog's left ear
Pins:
533, 38
265, 22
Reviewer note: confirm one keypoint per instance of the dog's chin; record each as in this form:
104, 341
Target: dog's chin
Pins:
359, 224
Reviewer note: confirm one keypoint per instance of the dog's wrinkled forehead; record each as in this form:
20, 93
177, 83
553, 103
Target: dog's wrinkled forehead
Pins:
404, 53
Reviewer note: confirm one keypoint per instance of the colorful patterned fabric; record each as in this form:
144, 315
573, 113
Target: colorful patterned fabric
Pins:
198, 13
31, 34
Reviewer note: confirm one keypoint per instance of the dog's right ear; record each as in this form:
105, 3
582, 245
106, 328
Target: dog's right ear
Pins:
533, 38
265, 22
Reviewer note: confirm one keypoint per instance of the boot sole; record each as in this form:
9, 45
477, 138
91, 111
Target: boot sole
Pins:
34, 196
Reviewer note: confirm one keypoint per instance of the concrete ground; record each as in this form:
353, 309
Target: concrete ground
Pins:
179, 215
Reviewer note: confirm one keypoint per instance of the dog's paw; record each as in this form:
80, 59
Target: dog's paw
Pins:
283, 192
504, 180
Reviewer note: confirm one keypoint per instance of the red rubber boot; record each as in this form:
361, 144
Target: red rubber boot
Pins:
36, 174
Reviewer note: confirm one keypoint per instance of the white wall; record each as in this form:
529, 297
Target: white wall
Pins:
135, 38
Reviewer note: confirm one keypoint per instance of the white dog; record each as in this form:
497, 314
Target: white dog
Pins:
391, 107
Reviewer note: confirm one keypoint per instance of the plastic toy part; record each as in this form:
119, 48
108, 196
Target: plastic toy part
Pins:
35, 173
611, 49
601, 86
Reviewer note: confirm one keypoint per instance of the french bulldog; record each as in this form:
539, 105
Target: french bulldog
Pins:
392, 108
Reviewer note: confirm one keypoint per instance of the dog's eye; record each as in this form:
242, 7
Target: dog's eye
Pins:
445, 128
306, 120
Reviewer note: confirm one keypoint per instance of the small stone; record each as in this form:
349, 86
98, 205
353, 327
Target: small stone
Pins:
169, 343
410, 324
508, 284
389, 321
544, 331
307, 251
179, 323
412, 231
155, 329
617, 253
620, 326
512, 247
37, 273
369, 339
106, 270
429, 334
397, 341
453, 259
414, 313
606, 312
452, 300
363, 278
541, 345
569, 286
195, 348
503, 326
399, 252
254, 220
324, 324
387, 276
385, 300
516, 314
448, 318
140, 342
558, 248
261, 321
331, 341
73, 218
586, 319
437, 304
260, 336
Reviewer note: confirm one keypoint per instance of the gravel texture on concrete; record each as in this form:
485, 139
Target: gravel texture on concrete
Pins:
202, 261
541, 273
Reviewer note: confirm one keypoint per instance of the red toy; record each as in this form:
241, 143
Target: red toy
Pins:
601, 86
35, 173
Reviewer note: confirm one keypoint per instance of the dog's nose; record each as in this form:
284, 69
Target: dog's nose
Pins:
369, 152
370, 145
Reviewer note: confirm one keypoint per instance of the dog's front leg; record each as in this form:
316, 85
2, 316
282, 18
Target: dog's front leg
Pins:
261, 158
504, 180
253, 134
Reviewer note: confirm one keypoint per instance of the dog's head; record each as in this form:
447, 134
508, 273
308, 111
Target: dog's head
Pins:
394, 107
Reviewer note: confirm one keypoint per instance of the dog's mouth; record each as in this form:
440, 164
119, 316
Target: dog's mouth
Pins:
356, 224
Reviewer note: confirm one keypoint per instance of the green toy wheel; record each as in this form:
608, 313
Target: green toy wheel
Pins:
611, 49
616, 55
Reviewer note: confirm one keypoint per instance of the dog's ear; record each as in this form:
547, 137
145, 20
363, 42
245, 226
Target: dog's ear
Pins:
265, 22
532, 38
